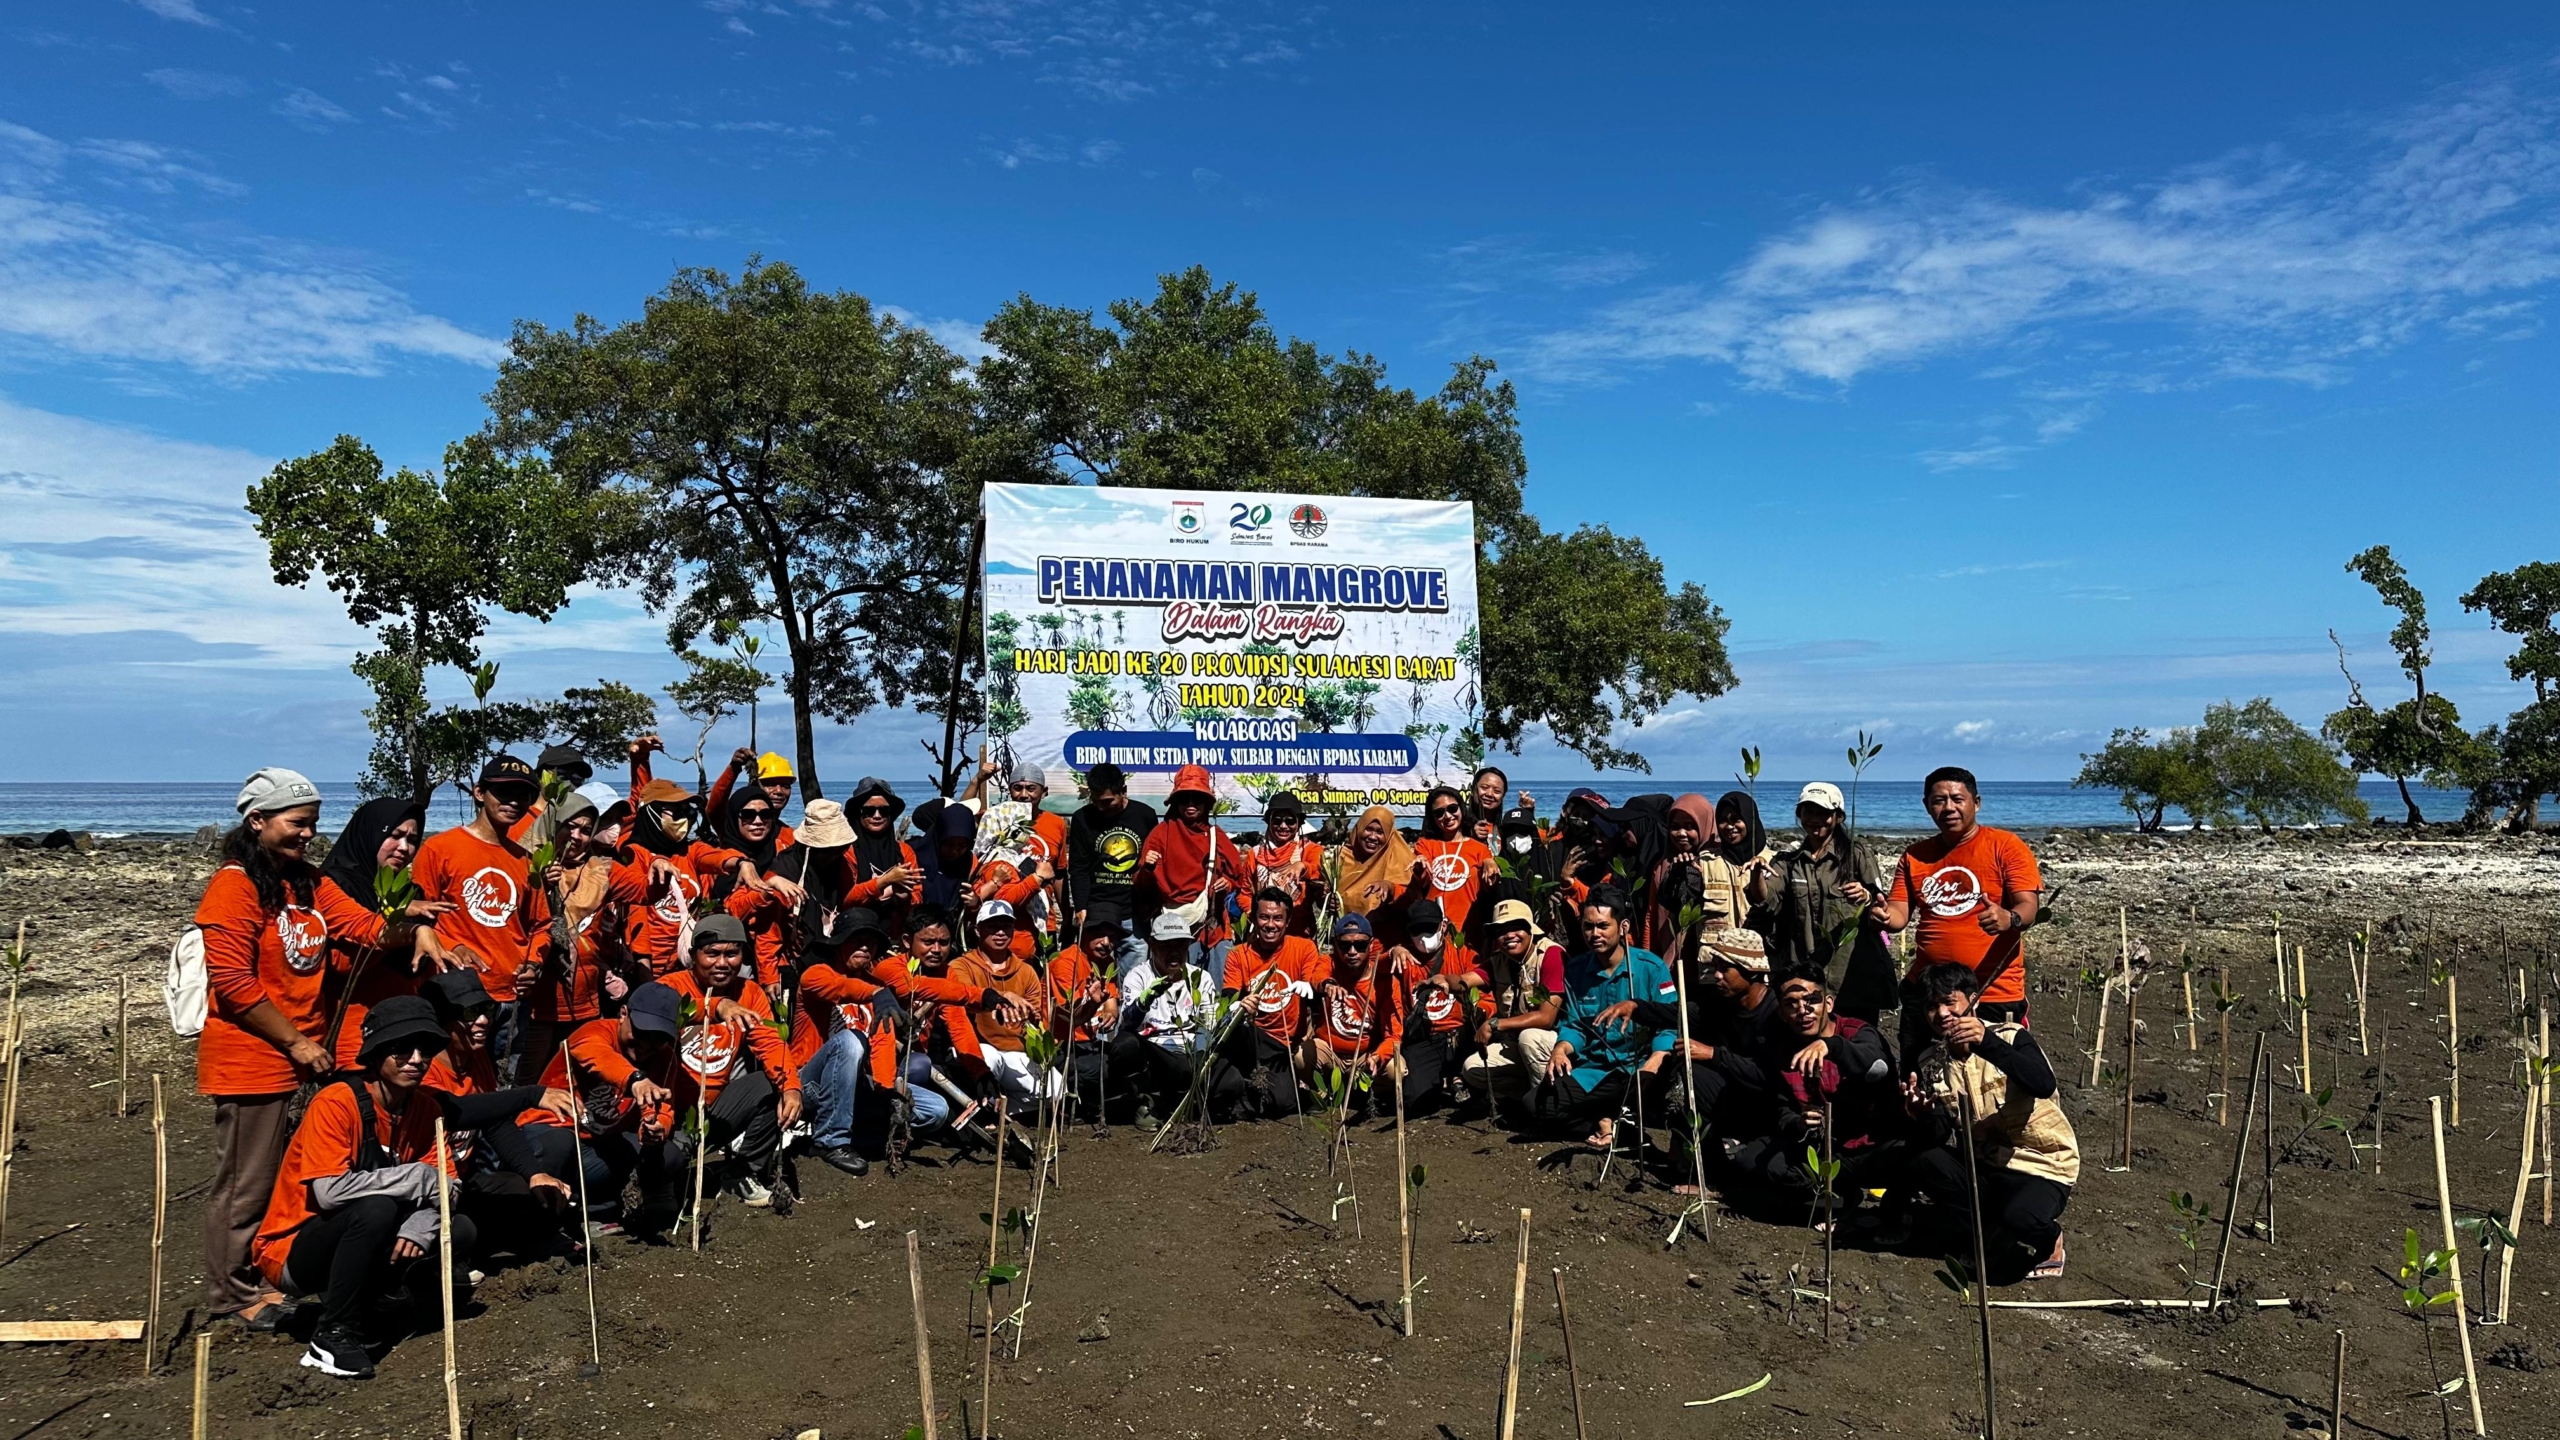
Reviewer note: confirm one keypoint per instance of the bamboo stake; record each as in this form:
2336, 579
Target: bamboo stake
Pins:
2338, 1391
2262, 1302
2515, 1208
1572, 1370
1689, 1090
1519, 1303
17, 1038
2461, 1308
2363, 967
924, 1343
2267, 1148
124, 1053
159, 1223
1981, 1280
2302, 993
204, 1368
2224, 1016
702, 1161
2546, 1117
2098, 1048
2239, 1167
995, 1229
2284, 1000
1048, 1108
2453, 1047
2187, 982
1404, 1211
586, 1241
444, 1277
2130, 1030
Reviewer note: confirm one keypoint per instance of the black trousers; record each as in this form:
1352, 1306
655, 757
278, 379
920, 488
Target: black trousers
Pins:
743, 1119
1776, 1168
1429, 1061
1565, 1104
663, 1167
1254, 1078
345, 1254
505, 1214
1140, 1066
2021, 1214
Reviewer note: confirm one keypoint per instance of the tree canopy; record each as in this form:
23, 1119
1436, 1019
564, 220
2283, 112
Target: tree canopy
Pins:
2266, 766
2151, 775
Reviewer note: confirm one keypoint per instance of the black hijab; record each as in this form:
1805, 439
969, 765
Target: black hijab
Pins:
351, 855
942, 884
874, 853
759, 852
1737, 805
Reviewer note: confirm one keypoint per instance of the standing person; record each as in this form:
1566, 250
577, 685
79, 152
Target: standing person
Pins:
1717, 862
381, 838
1189, 867
1010, 862
1105, 840
1266, 977
1026, 785
267, 922
1976, 889
885, 872
774, 780
1485, 794
1289, 863
498, 914
560, 763
750, 1086
353, 1208
1445, 994
1013, 995
1818, 889
680, 868
1577, 856
1459, 864
1511, 1049
1375, 873
1161, 1035
1356, 1023
1592, 1065
2026, 1158
596, 896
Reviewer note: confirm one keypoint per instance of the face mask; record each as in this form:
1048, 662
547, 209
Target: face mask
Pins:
674, 824
1428, 944
1517, 844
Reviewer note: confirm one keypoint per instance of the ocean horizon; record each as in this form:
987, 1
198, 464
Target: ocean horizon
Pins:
1884, 807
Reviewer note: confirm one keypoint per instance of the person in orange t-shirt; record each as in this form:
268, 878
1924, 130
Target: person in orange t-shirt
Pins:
750, 1088
499, 915
1014, 996
631, 1088
1445, 994
1269, 977
1974, 890
270, 925
596, 895
1289, 863
1459, 864
516, 1204
1357, 1021
939, 1001
845, 1012
773, 779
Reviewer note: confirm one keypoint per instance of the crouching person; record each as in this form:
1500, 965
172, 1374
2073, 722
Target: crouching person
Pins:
632, 1083
1821, 1069
353, 1213
845, 1010
2026, 1158
750, 1089
1510, 1051
1160, 1035
514, 1204
1011, 996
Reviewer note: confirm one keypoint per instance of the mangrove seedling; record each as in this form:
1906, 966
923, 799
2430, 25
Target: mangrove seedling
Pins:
2419, 1267
2190, 1216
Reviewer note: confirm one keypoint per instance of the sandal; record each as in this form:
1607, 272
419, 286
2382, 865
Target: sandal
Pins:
2051, 1269
1604, 1138
264, 1315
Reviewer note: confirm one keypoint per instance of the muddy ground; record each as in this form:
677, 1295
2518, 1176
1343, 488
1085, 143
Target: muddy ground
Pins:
1211, 1295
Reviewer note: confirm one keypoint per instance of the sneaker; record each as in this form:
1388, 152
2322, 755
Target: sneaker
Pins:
846, 1159
753, 1191
338, 1351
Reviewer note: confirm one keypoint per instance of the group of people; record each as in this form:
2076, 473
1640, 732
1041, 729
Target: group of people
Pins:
583, 1007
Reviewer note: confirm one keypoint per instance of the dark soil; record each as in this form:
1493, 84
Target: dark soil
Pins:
1210, 1295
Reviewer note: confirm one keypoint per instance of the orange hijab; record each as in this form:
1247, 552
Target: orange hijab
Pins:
1364, 885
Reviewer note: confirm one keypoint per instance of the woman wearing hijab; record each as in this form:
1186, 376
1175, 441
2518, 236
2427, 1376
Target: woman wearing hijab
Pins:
1376, 873
819, 859
1717, 862
591, 897
380, 838
678, 868
885, 869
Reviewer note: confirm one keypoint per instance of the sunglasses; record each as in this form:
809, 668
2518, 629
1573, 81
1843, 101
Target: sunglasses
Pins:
882, 811
1351, 942
1445, 810
758, 816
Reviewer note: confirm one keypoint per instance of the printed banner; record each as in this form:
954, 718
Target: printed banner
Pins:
1321, 644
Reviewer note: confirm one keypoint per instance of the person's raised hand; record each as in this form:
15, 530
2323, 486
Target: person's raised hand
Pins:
1807, 1060
1857, 894
1961, 1030
790, 892
1993, 919
742, 758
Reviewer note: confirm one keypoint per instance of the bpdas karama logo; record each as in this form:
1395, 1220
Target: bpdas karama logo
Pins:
1308, 521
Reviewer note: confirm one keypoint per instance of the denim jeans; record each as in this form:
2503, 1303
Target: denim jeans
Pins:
830, 1082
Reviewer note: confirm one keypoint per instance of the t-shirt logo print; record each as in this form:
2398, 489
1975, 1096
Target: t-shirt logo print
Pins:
1350, 1015
1119, 853
304, 934
1451, 871
1951, 892
681, 893
709, 1050
489, 896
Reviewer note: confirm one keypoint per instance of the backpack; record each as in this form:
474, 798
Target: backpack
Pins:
185, 988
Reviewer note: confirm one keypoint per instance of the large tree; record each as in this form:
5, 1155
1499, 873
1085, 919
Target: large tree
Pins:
2421, 736
2522, 759
422, 555
2152, 775
801, 459
1193, 389
2267, 767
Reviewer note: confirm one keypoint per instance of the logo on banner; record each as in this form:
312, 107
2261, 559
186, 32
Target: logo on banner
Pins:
1248, 519
1187, 517
1307, 522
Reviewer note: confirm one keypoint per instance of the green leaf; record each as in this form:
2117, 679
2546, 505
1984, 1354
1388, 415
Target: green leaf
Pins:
1754, 1388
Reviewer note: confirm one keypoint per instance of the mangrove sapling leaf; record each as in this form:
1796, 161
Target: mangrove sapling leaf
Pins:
1754, 1388
1750, 776
392, 892
2419, 1267
2192, 1215
1861, 755
1957, 1275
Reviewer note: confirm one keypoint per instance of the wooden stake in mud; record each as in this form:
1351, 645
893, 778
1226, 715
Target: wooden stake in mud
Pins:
2338, 1391
2453, 1045
2187, 982
444, 1278
2267, 1149
1519, 1304
1689, 1092
2098, 1047
17, 1043
2363, 967
1404, 1211
159, 1223
124, 1053
1981, 1280
2524, 1182
701, 1161
204, 1370
1572, 1370
995, 1228
2224, 1016
924, 1343
2546, 1117
2284, 1000
2461, 1307
2302, 992
586, 1241
2130, 1030
2239, 1167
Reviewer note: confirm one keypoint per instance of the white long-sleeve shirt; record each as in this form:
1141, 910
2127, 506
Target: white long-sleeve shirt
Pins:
1171, 1010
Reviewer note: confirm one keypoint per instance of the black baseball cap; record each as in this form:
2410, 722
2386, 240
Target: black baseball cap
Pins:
566, 762
1424, 915
656, 1009
503, 769
400, 1020
456, 994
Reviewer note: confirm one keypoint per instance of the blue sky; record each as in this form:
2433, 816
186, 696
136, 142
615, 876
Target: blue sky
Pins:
2008, 374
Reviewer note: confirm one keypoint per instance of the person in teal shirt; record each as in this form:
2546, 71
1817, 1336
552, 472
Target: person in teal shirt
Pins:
1593, 1064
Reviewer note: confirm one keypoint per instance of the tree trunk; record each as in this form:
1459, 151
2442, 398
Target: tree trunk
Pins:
2417, 817
2526, 817
803, 733
421, 788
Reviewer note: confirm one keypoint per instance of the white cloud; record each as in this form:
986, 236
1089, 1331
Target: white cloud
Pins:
196, 84
964, 338
2261, 263
150, 167
177, 10
311, 110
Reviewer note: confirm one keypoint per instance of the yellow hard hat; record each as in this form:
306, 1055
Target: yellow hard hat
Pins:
771, 766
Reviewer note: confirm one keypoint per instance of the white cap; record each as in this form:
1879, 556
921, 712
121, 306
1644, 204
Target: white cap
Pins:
601, 795
275, 788
1169, 927
994, 910
1824, 794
